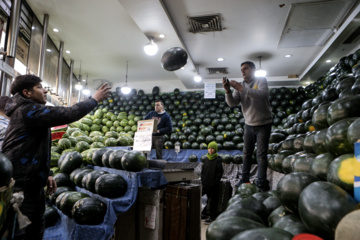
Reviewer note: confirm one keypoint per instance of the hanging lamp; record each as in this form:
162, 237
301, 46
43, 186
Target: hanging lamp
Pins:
260, 72
126, 90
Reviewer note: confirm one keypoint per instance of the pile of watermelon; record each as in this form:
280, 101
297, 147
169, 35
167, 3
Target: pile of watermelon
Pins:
314, 149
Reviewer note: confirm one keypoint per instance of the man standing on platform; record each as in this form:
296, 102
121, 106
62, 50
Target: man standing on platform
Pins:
164, 126
253, 96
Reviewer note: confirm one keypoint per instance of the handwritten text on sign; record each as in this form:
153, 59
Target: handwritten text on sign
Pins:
142, 141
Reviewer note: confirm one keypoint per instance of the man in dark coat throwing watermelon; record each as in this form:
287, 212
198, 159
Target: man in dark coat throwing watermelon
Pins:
252, 94
27, 144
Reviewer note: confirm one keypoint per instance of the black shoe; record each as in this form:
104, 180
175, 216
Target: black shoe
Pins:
204, 216
241, 182
208, 221
264, 186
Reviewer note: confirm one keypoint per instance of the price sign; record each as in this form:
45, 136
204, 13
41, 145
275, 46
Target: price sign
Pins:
142, 141
209, 91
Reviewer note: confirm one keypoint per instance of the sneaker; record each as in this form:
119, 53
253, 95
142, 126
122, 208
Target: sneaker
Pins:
241, 182
208, 221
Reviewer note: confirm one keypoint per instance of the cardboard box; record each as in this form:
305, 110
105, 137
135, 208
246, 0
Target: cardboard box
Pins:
147, 125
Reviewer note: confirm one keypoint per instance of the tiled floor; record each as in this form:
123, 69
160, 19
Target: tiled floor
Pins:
203, 230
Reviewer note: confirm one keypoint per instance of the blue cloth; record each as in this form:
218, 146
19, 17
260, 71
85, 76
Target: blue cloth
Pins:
67, 229
183, 155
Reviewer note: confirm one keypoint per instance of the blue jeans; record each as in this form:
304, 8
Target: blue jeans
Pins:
259, 135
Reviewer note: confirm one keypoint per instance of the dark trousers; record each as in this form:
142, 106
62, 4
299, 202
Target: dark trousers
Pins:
211, 208
259, 135
33, 207
158, 144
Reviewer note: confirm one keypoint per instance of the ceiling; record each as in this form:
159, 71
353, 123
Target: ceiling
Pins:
104, 35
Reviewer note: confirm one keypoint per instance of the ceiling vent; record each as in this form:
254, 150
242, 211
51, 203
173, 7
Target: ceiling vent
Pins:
313, 23
209, 23
217, 70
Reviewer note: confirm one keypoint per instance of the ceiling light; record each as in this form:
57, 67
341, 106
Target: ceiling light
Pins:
78, 86
56, 30
288, 55
126, 89
86, 91
260, 72
67, 51
328, 61
48, 50
162, 36
197, 77
151, 48
220, 59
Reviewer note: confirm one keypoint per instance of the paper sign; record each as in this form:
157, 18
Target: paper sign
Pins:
142, 141
150, 215
209, 91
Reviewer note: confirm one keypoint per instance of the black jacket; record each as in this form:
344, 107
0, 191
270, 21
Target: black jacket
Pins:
27, 140
211, 173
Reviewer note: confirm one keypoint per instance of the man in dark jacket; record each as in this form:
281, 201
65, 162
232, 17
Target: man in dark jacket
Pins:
27, 144
164, 126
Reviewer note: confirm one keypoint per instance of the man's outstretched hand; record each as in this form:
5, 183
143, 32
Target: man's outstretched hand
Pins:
102, 93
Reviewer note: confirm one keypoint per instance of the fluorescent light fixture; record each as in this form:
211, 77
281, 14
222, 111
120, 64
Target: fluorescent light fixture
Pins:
162, 36
20, 67
56, 30
86, 91
328, 61
151, 48
126, 90
48, 50
197, 78
78, 86
220, 59
67, 51
260, 72
288, 55
308, 83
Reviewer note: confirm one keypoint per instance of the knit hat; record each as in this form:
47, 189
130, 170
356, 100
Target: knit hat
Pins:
213, 145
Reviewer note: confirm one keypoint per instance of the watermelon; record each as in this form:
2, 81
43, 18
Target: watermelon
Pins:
290, 187
111, 186
88, 211
341, 172
322, 205
64, 143
51, 216
263, 233
291, 223
336, 141
133, 161
72, 161
68, 201
226, 228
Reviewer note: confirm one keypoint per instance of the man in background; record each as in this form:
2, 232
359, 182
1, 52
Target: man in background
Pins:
164, 126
